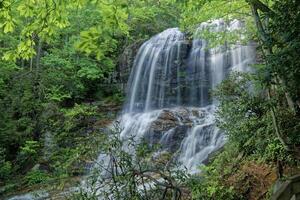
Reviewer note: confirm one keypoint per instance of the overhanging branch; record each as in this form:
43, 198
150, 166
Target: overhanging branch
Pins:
261, 6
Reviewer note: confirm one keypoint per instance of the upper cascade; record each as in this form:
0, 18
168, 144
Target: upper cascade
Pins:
155, 76
171, 71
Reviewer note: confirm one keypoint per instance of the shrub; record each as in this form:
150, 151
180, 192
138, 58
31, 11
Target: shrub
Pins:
36, 176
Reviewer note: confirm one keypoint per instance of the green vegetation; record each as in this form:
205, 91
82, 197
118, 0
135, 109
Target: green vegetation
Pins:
58, 84
260, 111
134, 177
59, 88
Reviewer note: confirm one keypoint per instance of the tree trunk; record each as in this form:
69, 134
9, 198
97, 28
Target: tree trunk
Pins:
266, 39
38, 56
276, 125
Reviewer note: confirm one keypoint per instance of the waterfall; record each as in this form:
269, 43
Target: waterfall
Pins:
168, 98
157, 60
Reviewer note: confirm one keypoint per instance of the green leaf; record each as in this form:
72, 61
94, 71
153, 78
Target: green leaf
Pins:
8, 27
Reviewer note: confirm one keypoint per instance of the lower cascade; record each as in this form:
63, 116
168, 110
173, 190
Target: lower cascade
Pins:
187, 132
168, 98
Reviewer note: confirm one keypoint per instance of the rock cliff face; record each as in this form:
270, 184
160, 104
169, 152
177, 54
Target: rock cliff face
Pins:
126, 61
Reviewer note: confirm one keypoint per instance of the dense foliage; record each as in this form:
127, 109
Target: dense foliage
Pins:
133, 175
58, 88
58, 80
259, 112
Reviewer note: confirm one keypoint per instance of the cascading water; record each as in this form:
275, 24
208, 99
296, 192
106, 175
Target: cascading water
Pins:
157, 60
168, 99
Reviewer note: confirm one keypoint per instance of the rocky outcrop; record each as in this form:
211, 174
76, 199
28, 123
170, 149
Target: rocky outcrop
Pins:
126, 61
287, 190
171, 127
172, 118
165, 121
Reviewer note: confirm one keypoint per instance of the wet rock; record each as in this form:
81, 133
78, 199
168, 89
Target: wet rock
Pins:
173, 143
184, 115
165, 122
172, 119
171, 127
196, 113
289, 189
126, 60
